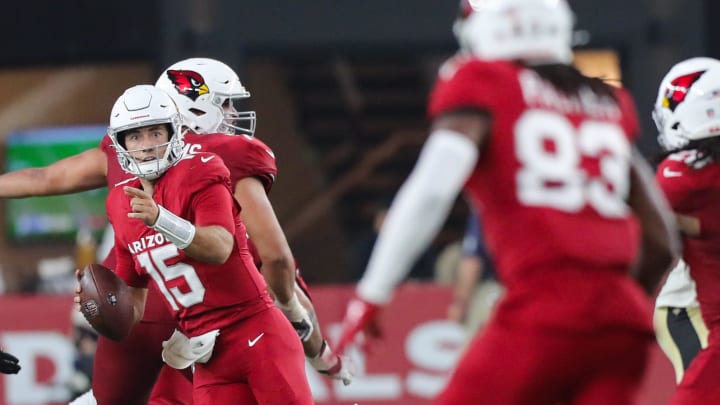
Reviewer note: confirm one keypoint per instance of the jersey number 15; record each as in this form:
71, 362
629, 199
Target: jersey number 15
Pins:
154, 262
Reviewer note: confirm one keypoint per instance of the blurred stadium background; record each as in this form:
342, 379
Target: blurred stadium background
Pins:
339, 87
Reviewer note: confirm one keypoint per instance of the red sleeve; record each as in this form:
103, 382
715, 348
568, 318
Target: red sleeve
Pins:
252, 158
629, 119
125, 267
110, 260
122, 261
105, 142
214, 206
676, 181
472, 83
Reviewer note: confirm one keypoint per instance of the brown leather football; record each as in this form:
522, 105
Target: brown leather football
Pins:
106, 302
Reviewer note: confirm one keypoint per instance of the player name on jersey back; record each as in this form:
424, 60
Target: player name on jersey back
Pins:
539, 93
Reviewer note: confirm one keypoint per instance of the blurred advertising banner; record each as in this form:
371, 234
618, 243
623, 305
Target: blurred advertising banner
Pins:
412, 363
410, 366
37, 330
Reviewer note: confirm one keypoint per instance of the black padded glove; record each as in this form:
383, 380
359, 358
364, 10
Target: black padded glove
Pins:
8, 363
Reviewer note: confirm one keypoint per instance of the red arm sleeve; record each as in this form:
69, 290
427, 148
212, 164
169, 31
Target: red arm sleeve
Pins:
676, 182
214, 205
120, 259
125, 266
252, 158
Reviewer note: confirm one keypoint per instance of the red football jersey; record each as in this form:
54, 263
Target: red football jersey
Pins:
243, 155
694, 190
201, 296
551, 184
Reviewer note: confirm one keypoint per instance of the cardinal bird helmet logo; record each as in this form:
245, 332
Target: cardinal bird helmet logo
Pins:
678, 89
188, 83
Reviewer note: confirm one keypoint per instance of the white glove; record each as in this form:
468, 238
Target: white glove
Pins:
298, 317
87, 398
333, 365
180, 351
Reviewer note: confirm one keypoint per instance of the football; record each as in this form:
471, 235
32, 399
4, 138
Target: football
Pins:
106, 302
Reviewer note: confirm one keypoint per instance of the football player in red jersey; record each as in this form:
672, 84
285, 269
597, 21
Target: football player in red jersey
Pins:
178, 230
580, 233
212, 115
687, 114
124, 372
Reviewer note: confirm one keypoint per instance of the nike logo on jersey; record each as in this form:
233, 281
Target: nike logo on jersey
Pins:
670, 173
251, 343
206, 159
269, 152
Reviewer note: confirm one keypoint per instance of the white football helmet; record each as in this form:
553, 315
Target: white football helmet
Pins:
142, 106
687, 107
536, 31
205, 91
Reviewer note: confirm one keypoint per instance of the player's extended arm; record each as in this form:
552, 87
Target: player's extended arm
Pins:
278, 269
211, 244
416, 215
660, 242
84, 171
278, 265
